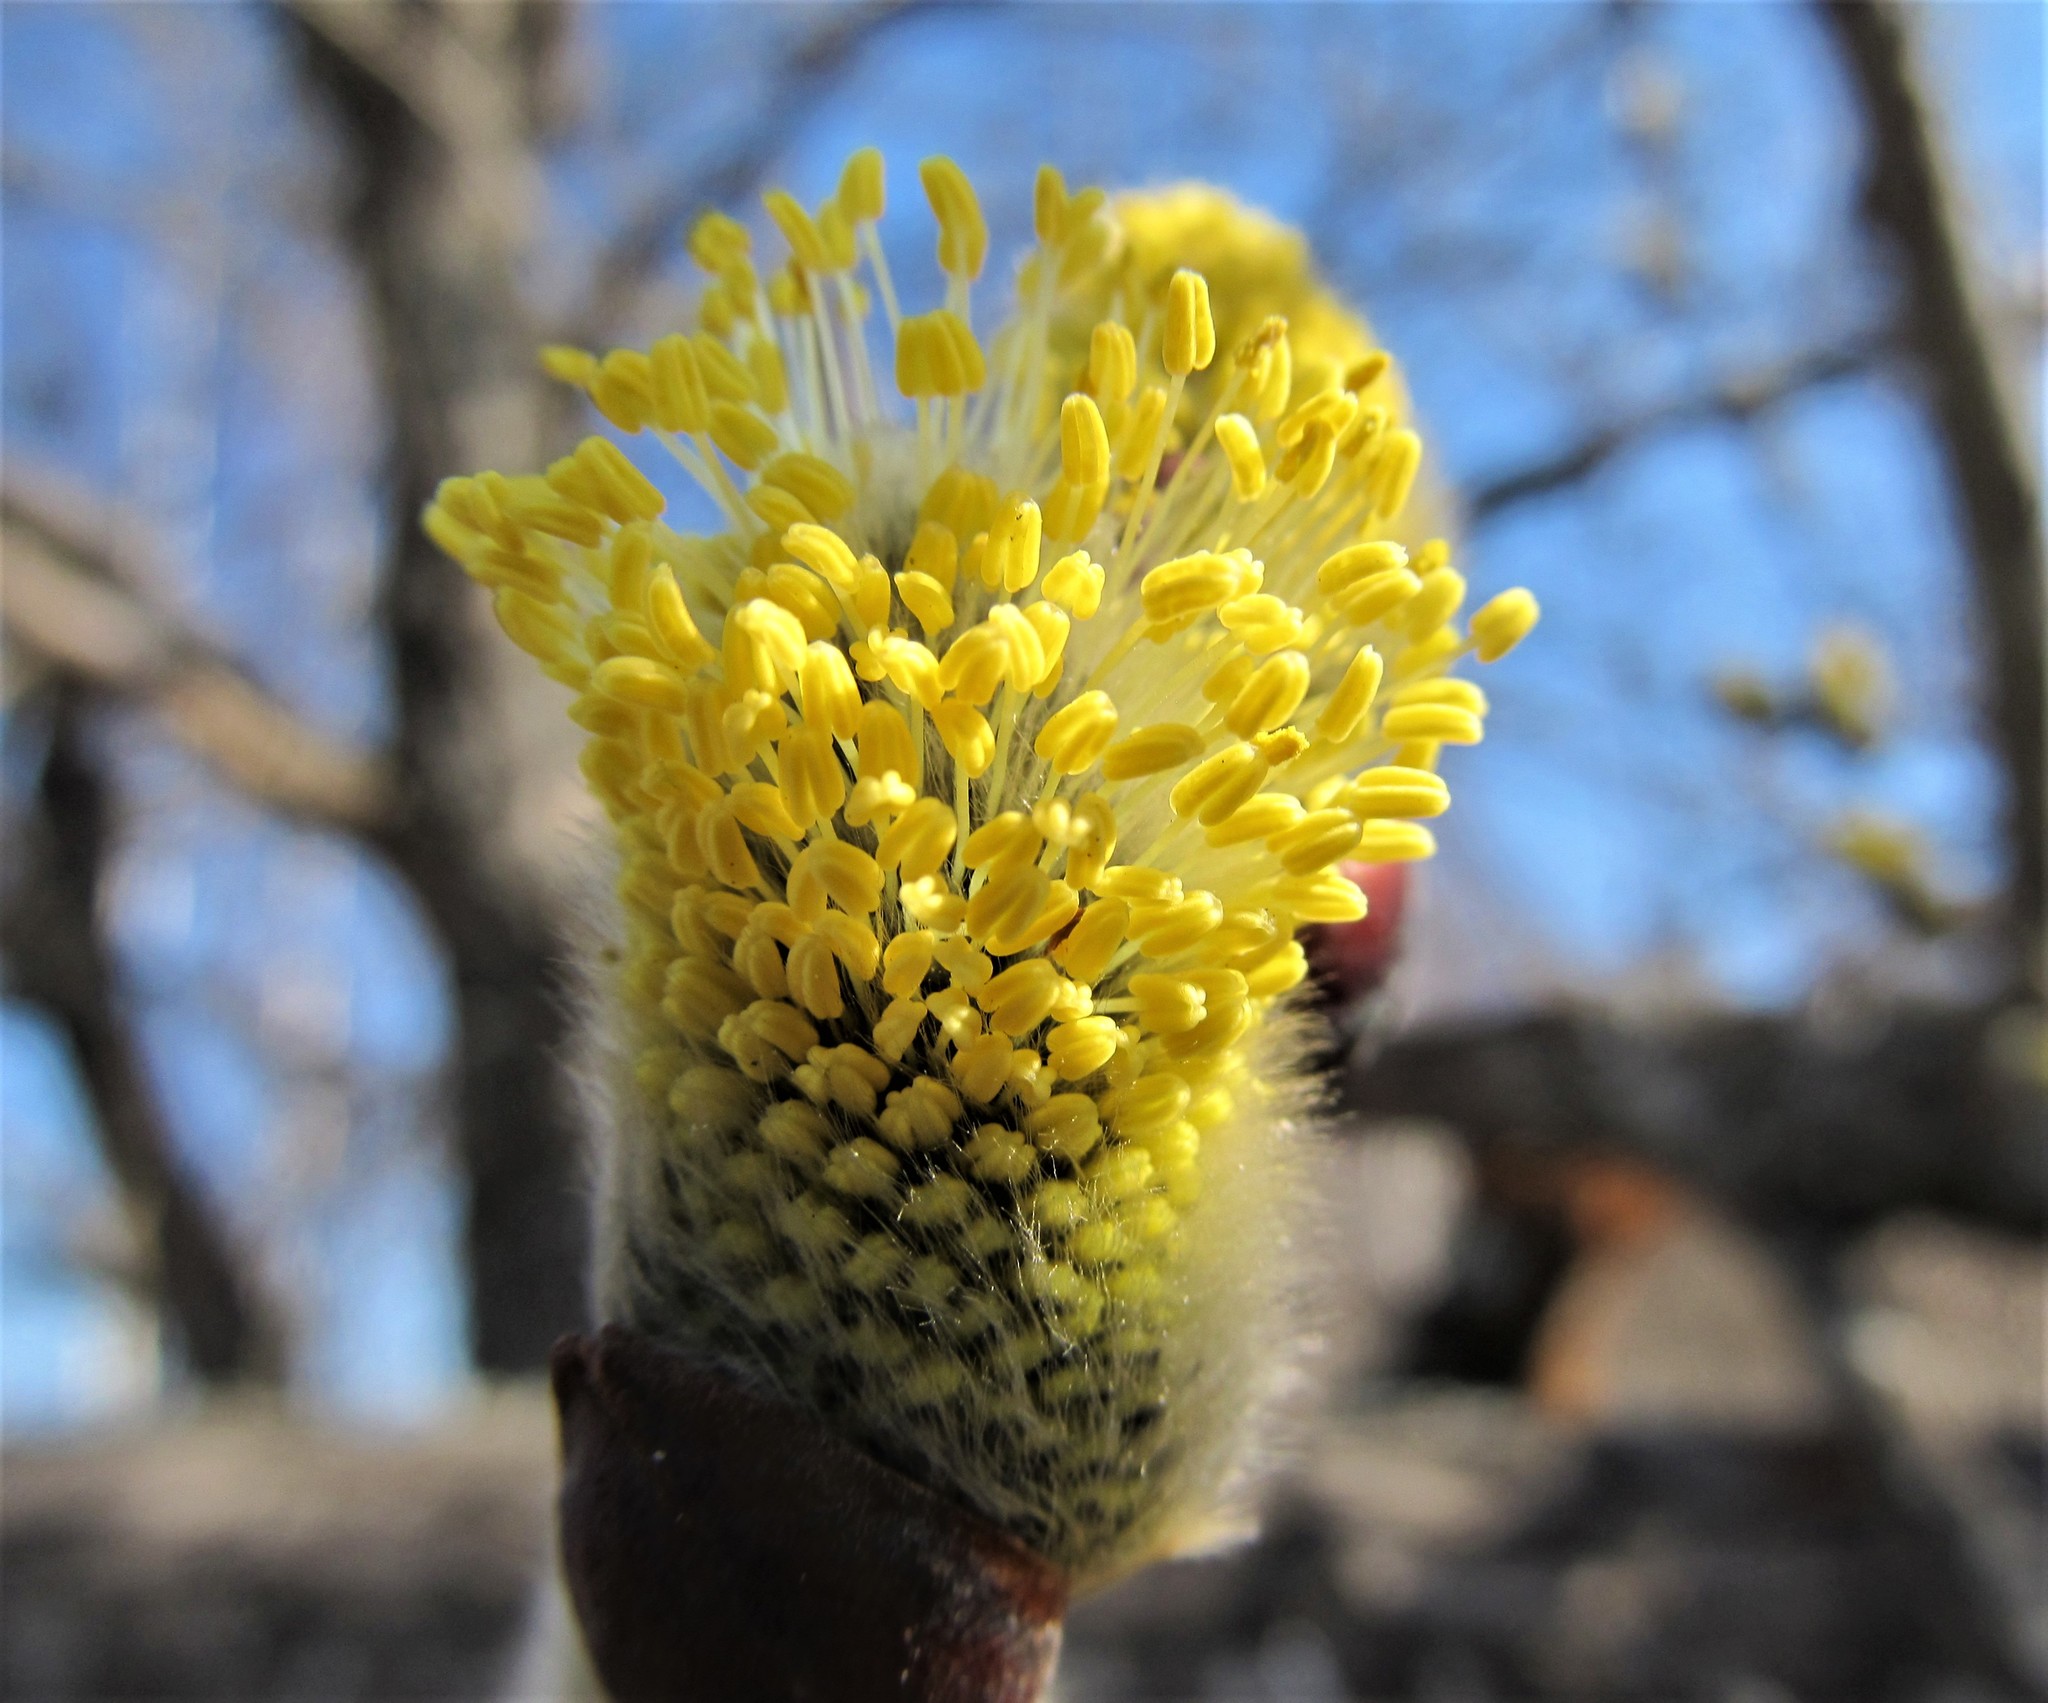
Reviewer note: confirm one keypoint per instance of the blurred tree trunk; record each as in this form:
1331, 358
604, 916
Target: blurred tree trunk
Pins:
58, 958
1909, 207
439, 109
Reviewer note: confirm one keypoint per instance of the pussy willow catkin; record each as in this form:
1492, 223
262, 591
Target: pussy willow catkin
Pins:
970, 789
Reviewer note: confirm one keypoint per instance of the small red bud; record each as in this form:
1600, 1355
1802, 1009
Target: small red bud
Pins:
1352, 959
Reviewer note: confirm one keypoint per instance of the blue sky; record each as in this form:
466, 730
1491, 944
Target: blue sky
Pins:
172, 303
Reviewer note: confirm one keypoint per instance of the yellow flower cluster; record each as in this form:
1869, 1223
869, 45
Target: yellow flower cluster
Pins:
971, 787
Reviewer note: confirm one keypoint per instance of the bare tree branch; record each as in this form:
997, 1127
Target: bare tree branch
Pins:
58, 959
1908, 205
71, 603
438, 220
1734, 401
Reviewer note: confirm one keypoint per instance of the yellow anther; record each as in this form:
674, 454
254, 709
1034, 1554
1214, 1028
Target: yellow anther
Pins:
1078, 1049
798, 230
862, 191
907, 960
1261, 622
1003, 841
539, 629
1394, 842
716, 239
1112, 362
967, 736
777, 507
1396, 791
835, 237
975, 663
827, 691
1445, 724
1013, 547
1020, 999
929, 902
934, 553
1270, 696
1214, 788
746, 438
927, 599
569, 364
1140, 433
1239, 441
1377, 596
1318, 840
1445, 689
963, 234
760, 807
836, 870
921, 1114
1357, 563
1070, 509
915, 373
1074, 737
960, 500
1149, 751
981, 1067
1168, 1004
1163, 930
726, 379
1443, 591
1328, 897
999, 1155
852, 942
862, 1168
1352, 698
670, 618
1008, 900
879, 800
1023, 649
771, 384
765, 647
1054, 911
1179, 590
643, 683
624, 389
1075, 584
681, 403
1189, 344
883, 741
1049, 205
815, 483
813, 974
1393, 472
1503, 622
723, 845
1052, 626
870, 594
1084, 443
804, 595
1151, 1103
823, 551
957, 366
1141, 884
897, 1027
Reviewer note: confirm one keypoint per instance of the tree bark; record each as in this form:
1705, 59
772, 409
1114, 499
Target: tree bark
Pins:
1909, 208
210, 1301
438, 107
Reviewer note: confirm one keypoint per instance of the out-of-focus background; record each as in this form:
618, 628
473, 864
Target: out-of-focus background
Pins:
1686, 1275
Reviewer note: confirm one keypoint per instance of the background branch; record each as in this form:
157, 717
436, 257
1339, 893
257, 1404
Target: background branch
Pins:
1910, 208
72, 603
1736, 401
58, 958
